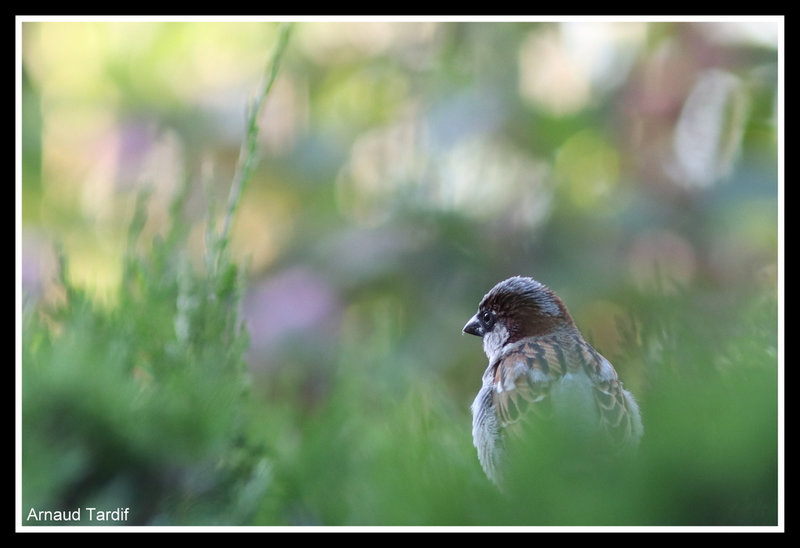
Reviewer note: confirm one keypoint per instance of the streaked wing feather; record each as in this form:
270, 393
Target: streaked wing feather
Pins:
619, 413
523, 378
524, 375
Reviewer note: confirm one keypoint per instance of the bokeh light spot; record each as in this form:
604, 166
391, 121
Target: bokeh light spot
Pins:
588, 167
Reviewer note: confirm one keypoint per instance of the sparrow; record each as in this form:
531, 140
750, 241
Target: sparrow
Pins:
541, 368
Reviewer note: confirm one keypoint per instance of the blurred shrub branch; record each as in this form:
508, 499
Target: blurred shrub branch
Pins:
143, 405
247, 154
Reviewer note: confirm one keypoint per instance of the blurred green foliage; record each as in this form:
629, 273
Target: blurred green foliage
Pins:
142, 405
311, 370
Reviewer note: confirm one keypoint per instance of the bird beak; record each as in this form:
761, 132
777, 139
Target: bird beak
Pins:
474, 327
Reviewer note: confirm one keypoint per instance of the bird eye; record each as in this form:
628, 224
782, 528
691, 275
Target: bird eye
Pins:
487, 319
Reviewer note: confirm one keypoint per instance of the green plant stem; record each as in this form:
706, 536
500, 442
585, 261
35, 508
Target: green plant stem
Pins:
247, 154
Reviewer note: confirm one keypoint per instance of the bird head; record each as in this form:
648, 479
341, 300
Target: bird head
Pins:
516, 308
